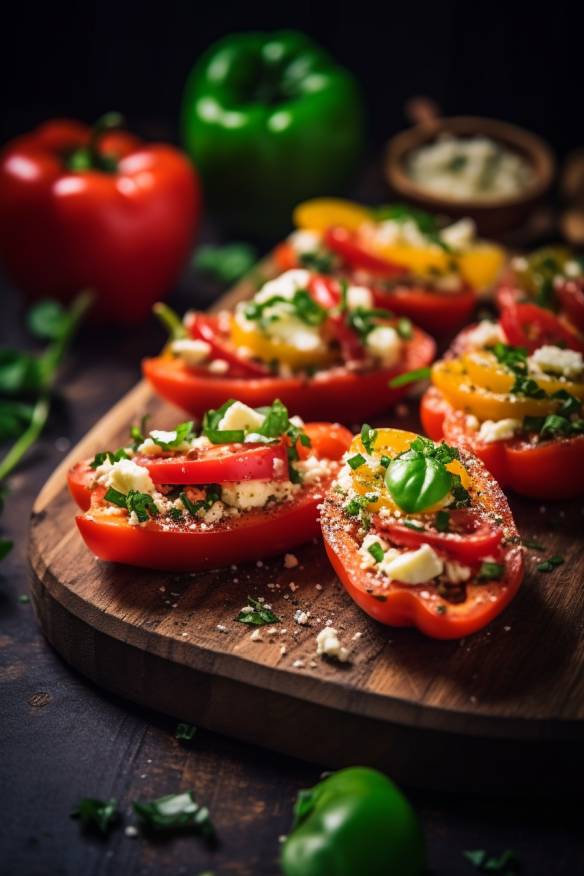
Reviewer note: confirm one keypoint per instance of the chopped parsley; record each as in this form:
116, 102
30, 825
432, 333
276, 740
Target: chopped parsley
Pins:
319, 261
551, 564
175, 812
426, 223
411, 524
185, 732
96, 814
112, 457
442, 521
356, 461
363, 319
257, 614
212, 495
376, 551
490, 571
368, 436
183, 433
410, 377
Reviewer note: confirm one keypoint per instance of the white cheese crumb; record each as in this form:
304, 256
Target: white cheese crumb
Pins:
131, 831
412, 567
221, 628
126, 475
240, 416
193, 352
385, 344
486, 334
301, 617
298, 664
218, 366
555, 360
328, 645
256, 636
284, 286
368, 561
359, 296
498, 430
457, 573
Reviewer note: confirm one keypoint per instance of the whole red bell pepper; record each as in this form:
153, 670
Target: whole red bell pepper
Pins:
96, 208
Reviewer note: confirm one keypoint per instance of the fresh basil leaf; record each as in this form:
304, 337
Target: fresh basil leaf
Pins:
226, 263
569, 403
225, 436
257, 615
308, 310
276, 420
356, 461
490, 571
555, 425
528, 387
185, 732
415, 482
47, 320
410, 377
114, 457
141, 504
513, 358
94, 813
175, 812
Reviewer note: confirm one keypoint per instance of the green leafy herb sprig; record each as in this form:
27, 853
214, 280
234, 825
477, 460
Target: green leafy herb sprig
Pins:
227, 263
418, 477
426, 223
94, 814
505, 864
175, 812
301, 305
257, 614
27, 383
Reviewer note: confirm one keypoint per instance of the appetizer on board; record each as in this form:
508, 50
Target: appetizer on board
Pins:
511, 392
244, 488
318, 343
421, 535
414, 267
552, 278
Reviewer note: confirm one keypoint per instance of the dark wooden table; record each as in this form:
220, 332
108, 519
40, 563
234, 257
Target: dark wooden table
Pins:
63, 739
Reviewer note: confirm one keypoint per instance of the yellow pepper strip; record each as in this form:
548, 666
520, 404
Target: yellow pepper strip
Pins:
369, 477
481, 265
268, 349
320, 214
485, 371
452, 379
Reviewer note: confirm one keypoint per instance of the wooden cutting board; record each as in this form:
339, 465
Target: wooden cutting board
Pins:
500, 711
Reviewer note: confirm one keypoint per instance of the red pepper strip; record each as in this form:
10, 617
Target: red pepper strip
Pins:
347, 245
480, 538
206, 329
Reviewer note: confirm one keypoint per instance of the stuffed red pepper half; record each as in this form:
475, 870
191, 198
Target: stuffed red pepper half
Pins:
421, 535
247, 486
552, 278
511, 392
319, 344
414, 266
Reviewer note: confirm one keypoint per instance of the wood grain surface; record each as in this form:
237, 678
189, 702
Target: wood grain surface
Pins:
506, 697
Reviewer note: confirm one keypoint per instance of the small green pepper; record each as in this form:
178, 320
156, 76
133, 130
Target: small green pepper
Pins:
354, 823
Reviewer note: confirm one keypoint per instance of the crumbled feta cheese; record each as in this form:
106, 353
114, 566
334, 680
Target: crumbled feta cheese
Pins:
255, 494
291, 330
301, 617
328, 645
290, 561
457, 573
256, 636
313, 469
368, 561
148, 447
385, 344
572, 269
555, 360
284, 286
298, 664
126, 475
304, 241
498, 430
486, 334
215, 513
218, 366
359, 296
412, 567
192, 351
240, 416
459, 235
164, 436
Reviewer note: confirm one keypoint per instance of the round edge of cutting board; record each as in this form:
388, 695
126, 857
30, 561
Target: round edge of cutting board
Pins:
419, 757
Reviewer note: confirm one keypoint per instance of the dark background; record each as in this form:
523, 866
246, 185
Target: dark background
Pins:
61, 738
515, 61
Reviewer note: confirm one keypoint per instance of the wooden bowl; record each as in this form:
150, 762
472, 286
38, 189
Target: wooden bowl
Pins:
493, 216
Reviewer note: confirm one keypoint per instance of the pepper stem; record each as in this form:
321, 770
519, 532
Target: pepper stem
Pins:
170, 320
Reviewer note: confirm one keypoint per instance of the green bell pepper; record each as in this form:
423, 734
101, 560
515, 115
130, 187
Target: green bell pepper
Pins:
355, 822
270, 120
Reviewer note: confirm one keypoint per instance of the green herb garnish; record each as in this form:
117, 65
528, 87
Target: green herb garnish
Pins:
185, 732
490, 571
175, 812
551, 564
410, 377
442, 521
506, 864
368, 436
356, 461
226, 263
97, 814
376, 551
259, 616
411, 524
